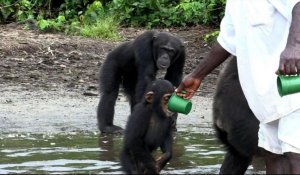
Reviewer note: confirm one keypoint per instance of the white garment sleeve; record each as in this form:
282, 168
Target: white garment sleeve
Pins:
285, 7
226, 36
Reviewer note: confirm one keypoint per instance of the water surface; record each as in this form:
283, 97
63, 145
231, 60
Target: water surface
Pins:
90, 153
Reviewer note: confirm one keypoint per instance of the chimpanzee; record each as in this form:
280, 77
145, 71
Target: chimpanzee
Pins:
134, 65
235, 124
149, 126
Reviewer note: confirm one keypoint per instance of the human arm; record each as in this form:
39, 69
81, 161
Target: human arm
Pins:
290, 57
192, 81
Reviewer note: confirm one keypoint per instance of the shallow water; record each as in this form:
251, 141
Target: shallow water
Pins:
90, 153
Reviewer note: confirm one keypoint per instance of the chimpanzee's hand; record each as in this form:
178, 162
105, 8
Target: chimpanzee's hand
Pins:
150, 172
158, 168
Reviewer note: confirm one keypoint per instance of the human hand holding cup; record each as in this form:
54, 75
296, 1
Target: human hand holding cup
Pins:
179, 104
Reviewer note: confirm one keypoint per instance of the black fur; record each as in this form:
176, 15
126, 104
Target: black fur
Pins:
234, 122
148, 128
134, 65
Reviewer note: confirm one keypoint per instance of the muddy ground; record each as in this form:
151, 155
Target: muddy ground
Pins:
49, 81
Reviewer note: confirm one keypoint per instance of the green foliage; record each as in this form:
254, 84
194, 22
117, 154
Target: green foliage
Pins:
74, 17
105, 29
102, 17
190, 12
11, 10
95, 23
52, 24
20, 9
152, 13
129, 10
211, 37
214, 11
93, 12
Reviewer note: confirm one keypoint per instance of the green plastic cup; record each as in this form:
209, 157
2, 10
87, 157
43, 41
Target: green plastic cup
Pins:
179, 104
288, 84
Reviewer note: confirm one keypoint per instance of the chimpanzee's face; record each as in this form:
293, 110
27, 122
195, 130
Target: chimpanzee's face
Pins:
164, 56
164, 102
166, 49
158, 96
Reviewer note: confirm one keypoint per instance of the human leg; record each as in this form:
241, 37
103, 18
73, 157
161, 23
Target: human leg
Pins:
289, 134
294, 162
281, 141
276, 162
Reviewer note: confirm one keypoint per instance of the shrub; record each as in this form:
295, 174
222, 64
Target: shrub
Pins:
151, 13
87, 17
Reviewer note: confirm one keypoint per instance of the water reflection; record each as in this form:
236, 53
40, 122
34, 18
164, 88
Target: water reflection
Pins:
91, 153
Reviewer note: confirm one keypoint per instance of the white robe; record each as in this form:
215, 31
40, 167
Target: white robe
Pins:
256, 32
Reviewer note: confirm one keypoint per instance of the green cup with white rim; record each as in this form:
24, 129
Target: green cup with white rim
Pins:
179, 104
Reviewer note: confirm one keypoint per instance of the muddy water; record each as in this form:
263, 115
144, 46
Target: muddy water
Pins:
90, 153
62, 135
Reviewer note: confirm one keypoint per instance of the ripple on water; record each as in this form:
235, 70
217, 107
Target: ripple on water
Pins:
194, 153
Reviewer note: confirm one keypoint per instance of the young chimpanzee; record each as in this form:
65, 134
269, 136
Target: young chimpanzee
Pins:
149, 127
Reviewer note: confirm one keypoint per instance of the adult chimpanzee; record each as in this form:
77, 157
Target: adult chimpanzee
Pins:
235, 124
149, 126
134, 65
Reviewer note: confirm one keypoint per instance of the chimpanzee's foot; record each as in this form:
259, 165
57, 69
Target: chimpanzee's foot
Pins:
112, 130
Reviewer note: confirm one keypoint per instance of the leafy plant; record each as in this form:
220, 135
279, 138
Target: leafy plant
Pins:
24, 10
6, 10
93, 13
152, 13
52, 24
211, 37
105, 29
191, 12
215, 11
86, 17
19, 10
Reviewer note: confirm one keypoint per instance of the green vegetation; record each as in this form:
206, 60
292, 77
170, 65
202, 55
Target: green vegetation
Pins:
101, 19
211, 37
152, 13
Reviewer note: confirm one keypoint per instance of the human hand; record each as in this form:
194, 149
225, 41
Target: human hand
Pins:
289, 61
188, 86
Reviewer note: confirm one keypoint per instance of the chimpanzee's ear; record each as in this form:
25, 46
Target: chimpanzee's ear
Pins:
149, 97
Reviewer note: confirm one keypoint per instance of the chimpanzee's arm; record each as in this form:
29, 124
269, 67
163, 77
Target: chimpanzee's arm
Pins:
146, 75
174, 72
140, 152
134, 137
166, 148
143, 58
144, 155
